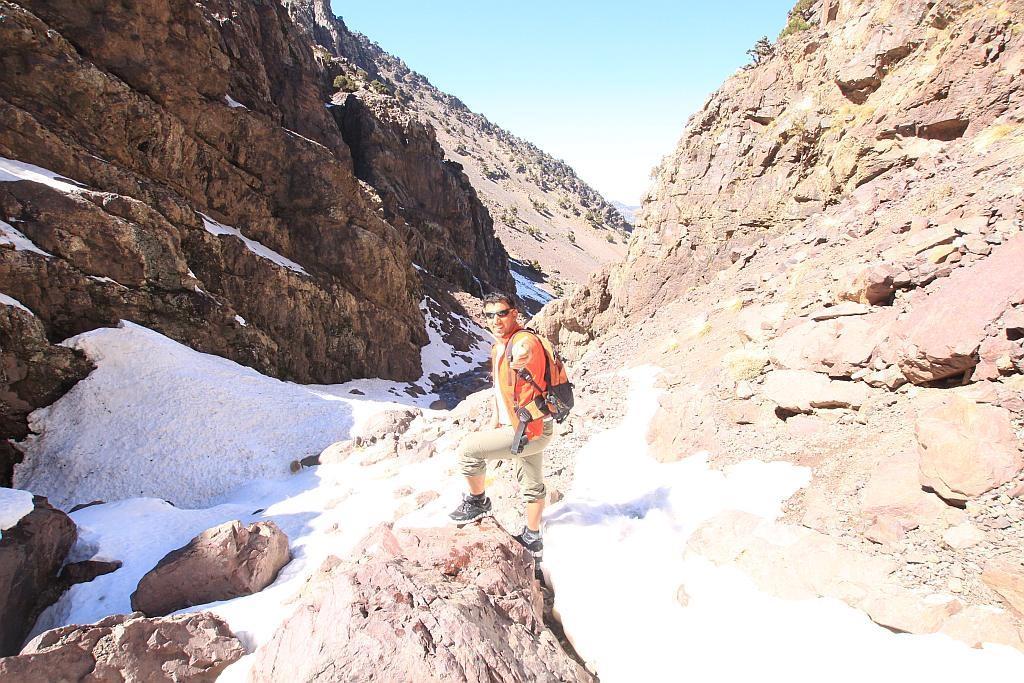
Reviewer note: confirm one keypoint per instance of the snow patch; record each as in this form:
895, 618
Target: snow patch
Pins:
159, 419
12, 171
216, 228
241, 321
10, 235
615, 553
11, 301
303, 137
528, 289
233, 103
14, 504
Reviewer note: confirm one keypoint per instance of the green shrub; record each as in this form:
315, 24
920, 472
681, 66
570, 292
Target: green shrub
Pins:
344, 83
795, 25
572, 237
610, 238
379, 88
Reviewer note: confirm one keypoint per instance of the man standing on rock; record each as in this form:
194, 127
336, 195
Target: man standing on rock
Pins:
517, 357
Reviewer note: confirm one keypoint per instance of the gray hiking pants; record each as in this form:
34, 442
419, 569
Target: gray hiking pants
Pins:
496, 444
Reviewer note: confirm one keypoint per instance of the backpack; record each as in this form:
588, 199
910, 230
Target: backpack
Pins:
558, 398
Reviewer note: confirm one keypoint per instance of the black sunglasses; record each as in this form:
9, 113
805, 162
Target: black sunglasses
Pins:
490, 315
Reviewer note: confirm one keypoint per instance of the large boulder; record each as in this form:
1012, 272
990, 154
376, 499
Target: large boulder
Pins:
941, 336
421, 605
31, 555
800, 391
128, 647
221, 563
892, 501
836, 347
966, 448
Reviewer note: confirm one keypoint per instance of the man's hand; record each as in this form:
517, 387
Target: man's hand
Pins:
520, 356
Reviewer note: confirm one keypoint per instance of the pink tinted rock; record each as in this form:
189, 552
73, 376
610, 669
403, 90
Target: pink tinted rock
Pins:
800, 390
1006, 577
129, 647
941, 336
901, 610
979, 624
966, 448
421, 605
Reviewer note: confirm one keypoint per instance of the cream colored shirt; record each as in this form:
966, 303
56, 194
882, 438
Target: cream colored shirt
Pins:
520, 350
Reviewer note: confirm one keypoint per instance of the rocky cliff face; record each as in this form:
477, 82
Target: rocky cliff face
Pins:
174, 164
542, 210
911, 106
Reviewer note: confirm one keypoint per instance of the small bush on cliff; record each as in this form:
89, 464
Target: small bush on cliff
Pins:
799, 18
379, 88
572, 237
345, 84
762, 50
795, 25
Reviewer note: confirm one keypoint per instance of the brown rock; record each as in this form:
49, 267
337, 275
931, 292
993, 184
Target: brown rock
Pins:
873, 284
1006, 578
35, 374
31, 555
836, 347
418, 605
128, 647
966, 448
221, 563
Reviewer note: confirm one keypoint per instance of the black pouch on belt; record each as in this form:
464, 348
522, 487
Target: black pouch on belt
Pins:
520, 439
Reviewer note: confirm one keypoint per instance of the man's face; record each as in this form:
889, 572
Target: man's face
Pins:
501, 318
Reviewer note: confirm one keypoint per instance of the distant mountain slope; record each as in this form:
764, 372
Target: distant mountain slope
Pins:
628, 212
542, 210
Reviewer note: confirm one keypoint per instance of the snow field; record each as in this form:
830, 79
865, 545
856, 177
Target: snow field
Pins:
615, 553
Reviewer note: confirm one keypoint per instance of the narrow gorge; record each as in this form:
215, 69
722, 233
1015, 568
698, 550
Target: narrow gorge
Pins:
243, 252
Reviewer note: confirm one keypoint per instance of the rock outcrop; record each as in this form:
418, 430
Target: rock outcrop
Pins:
31, 555
33, 373
214, 198
128, 647
221, 563
967, 448
431, 604
543, 211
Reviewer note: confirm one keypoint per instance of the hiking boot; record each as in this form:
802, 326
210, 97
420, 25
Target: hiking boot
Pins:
532, 541
471, 509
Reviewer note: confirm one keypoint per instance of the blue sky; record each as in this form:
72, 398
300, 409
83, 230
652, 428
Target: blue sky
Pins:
605, 86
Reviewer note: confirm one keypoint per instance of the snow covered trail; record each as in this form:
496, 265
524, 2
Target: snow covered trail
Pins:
614, 552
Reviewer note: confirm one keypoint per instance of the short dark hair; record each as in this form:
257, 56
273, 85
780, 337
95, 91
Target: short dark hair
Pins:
501, 297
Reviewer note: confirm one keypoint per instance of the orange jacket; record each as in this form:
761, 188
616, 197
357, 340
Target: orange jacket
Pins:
514, 390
